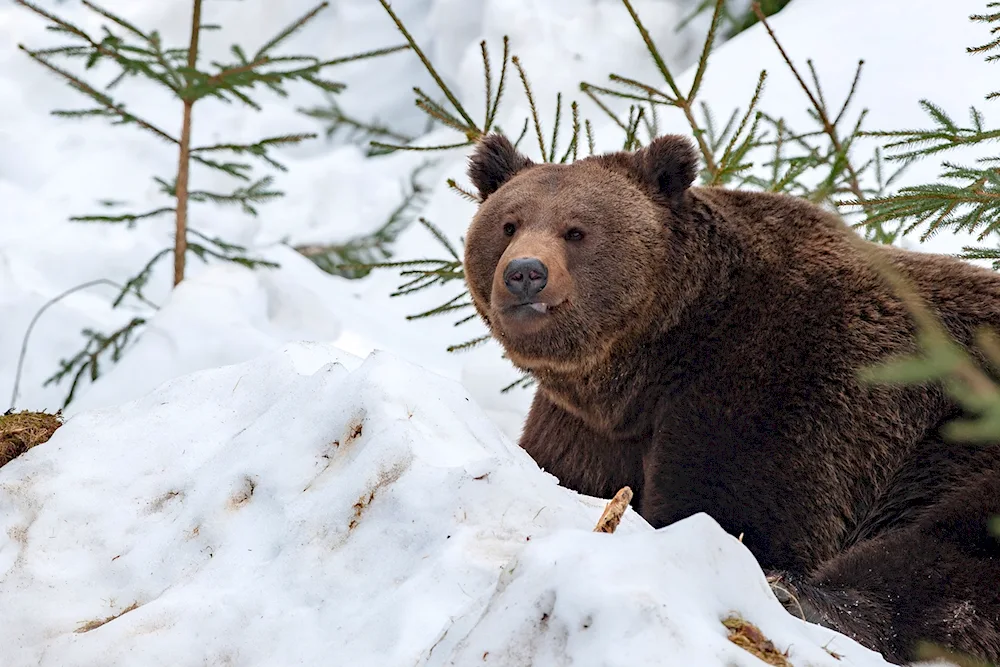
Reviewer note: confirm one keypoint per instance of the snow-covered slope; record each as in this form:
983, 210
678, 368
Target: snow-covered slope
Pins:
308, 508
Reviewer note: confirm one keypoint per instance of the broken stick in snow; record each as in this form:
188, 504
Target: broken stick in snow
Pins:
614, 511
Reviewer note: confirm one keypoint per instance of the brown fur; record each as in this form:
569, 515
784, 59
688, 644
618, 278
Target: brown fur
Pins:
704, 348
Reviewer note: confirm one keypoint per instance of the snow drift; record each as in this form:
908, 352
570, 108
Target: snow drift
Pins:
307, 507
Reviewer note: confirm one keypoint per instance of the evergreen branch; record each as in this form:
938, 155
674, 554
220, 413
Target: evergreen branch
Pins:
364, 55
574, 141
703, 59
680, 101
432, 108
493, 103
728, 156
555, 129
523, 381
226, 74
654, 51
34, 320
465, 194
110, 48
989, 254
139, 281
176, 82
488, 80
338, 119
114, 18
590, 91
88, 359
946, 136
620, 94
129, 218
942, 205
204, 252
468, 345
357, 257
286, 32
105, 101
255, 193
850, 93
400, 147
819, 108
524, 133
258, 149
649, 90
439, 235
433, 72
447, 307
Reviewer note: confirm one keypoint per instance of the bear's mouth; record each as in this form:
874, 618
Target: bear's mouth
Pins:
532, 308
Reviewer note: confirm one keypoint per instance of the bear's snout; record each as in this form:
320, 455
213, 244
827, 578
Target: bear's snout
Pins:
525, 277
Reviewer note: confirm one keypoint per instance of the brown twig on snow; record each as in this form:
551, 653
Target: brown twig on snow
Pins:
613, 512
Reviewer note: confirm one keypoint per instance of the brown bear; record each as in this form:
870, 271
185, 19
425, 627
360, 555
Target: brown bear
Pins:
703, 345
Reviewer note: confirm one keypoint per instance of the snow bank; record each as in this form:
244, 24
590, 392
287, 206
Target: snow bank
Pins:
308, 507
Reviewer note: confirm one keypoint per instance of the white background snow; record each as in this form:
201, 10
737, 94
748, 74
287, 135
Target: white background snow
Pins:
220, 503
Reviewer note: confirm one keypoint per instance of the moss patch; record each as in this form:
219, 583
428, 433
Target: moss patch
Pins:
749, 637
20, 431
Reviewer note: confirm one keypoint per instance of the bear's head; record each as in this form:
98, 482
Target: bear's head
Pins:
564, 260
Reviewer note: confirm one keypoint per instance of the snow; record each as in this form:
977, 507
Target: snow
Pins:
310, 507
253, 374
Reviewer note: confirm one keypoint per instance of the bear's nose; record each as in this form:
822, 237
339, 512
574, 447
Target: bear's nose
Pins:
525, 277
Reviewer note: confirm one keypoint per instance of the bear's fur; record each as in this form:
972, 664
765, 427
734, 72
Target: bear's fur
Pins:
702, 346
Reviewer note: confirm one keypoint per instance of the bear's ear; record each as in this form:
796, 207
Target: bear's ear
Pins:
669, 164
494, 162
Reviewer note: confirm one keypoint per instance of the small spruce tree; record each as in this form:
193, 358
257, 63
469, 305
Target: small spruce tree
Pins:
140, 53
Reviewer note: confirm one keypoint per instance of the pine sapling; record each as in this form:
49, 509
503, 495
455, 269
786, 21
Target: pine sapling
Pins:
137, 53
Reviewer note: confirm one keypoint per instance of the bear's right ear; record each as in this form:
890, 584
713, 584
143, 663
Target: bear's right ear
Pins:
669, 164
494, 162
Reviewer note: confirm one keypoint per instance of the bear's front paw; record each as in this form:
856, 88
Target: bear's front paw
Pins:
792, 593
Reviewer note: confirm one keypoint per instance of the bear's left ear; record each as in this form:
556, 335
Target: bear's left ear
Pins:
494, 162
669, 164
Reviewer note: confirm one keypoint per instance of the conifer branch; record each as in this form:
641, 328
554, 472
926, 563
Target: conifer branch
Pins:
679, 100
128, 218
468, 195
358, 256
468, 345
89, 358
819, 106
48, 304
140, 54
137, 282
471, 125
337, 119
105, 101
402, 147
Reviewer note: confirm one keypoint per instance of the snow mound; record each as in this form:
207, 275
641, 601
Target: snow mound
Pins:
309, 507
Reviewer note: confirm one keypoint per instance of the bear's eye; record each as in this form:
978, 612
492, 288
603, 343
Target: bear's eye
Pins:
574, 235
509, 229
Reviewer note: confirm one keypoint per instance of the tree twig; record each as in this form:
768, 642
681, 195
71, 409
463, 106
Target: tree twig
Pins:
614, 511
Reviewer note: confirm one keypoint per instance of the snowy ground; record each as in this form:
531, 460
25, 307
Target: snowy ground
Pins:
308, 508
266, 593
